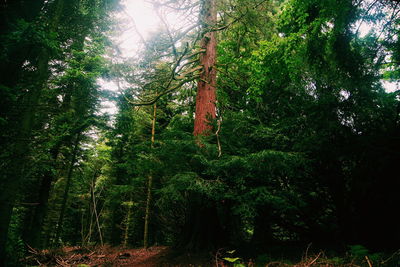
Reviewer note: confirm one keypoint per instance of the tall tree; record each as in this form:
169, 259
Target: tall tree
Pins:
13, 175
54, 95
206, 89
203, 229
149, 183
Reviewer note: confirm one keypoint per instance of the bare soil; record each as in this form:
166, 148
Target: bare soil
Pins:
113, 256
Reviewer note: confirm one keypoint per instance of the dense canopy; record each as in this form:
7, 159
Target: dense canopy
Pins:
250, 125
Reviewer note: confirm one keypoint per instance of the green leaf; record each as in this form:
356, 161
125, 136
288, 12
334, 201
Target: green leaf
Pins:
231, 259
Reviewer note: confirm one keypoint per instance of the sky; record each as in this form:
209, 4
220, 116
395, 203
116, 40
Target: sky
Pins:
139, 19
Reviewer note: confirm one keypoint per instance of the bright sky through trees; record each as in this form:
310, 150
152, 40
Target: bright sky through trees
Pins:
136, 20
141, 19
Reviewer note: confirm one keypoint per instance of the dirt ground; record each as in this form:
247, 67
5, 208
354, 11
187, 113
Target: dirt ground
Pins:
113, 256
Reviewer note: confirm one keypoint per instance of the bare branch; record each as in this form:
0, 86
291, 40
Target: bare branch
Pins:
155, 99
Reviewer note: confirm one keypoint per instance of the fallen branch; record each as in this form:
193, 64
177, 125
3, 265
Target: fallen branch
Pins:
314, 260
368, 261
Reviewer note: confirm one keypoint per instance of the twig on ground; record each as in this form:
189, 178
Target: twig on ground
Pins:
391, 257
314, 260
308, 247
368, 261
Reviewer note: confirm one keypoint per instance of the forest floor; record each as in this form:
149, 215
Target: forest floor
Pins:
107, 256
113, 256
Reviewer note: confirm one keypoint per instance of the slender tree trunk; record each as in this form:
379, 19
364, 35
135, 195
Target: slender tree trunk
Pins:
153, 125
67, 187
128, 222
32, 232
206, 89
150, 184
49, 176
90, 221
34, 225
147, 214
96, 213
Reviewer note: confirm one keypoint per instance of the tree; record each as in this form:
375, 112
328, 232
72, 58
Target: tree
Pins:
206, 89
40, 105
12, 177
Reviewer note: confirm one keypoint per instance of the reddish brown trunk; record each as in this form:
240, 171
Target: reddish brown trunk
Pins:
206, 90
203, 229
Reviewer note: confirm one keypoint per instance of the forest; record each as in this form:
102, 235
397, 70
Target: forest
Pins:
241, 133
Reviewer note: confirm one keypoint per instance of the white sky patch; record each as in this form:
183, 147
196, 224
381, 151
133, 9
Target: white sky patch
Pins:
140, 19
108, 85
364, 29
390, 86
107, 106
136, 20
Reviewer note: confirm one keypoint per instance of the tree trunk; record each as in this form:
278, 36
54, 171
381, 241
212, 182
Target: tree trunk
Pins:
262, 234
34, 225
96, 214
128, 222
32, 232
67, 186
150, 184
202, 229
206, 90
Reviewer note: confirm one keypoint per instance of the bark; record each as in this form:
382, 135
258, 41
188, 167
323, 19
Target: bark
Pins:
96, 214
128, 222
67, 187
206, 88
13, 175
32, 233
150, 184
34, 224
5, 211
202, 229
262, 234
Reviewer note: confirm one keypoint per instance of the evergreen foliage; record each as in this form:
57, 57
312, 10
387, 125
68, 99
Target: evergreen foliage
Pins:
303, 147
